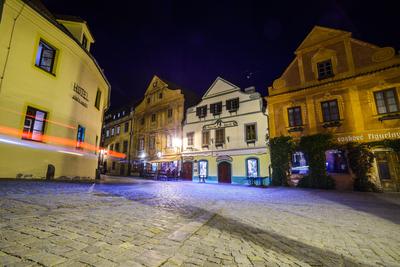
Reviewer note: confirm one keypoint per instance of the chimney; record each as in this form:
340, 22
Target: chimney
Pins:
250, 90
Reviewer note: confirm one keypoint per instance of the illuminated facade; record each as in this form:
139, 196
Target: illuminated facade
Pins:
340, 85
52, 94
158, 129
224, 136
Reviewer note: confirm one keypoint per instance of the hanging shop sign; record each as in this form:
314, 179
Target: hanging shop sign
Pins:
80, 95
220, 124
370, 136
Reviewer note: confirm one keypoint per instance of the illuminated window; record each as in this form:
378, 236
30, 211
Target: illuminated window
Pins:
325, 69
112, 131
98, 98
153, 117
117, 147
252, 167
107, 133
336, 161
34, 123
152, 143
294, 115
216, 108
80, 136
251, 132
386, 101
170, 113
190, 137
84, 42
126, 127
232, 104
330, 110
45, 56
219, 136
299, 163
141, 143
201, 112
125, 146
203, 168
205, 140
118, 129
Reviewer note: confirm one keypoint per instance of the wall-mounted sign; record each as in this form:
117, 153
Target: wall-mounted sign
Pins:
80, 95
369, 137
224, 158
220, 124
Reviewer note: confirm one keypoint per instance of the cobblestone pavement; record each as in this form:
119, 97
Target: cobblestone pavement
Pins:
134, 222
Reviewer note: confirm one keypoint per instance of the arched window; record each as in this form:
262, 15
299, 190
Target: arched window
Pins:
252, 167
203, 168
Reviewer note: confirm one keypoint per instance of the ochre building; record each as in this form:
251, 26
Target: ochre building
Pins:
52, 94
340, 85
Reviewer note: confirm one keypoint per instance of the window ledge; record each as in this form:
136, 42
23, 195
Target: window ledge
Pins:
219, 145
251, 141
330, 124
204, 146
295, 129
389, 117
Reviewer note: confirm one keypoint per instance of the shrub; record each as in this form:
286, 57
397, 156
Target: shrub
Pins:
281, 150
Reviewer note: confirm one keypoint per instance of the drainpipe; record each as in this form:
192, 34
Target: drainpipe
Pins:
9, 46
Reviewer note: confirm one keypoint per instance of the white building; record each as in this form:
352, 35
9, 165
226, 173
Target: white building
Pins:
224, 136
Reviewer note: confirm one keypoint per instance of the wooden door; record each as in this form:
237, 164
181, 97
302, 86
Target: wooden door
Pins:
187, 171
224, 172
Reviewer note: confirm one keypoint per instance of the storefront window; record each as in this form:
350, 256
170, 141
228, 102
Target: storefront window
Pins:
336, 161
382, 162
299, 163
252, 167
203, 168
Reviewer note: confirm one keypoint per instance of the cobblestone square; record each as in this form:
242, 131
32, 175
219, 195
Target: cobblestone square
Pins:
133, 222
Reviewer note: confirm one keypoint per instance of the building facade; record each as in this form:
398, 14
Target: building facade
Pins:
224, 136
340, 85
52, 94
158, 129
116, 142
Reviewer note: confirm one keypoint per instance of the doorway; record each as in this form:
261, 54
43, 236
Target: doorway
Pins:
224, 172
187, 170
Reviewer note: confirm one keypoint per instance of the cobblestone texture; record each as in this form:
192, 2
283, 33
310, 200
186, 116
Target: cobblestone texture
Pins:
132, 222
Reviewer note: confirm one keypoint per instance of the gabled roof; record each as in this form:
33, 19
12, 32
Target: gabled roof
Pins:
220, 86
319, 34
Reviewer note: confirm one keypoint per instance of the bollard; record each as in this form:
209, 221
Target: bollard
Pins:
50, 172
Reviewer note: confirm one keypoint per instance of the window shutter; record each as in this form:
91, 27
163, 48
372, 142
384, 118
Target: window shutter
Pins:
212, 108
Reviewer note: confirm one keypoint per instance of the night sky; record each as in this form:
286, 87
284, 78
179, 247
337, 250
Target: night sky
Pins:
190, 43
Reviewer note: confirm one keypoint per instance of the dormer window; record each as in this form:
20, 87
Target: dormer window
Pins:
84, 42
201, 112
216, 108
232, 105
325, 69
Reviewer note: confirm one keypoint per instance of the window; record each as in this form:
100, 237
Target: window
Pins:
299, 163
118, 129
169, 140
153, 117
141, 143
142, 121
112, 131
220, 136
386, 101
203, 168
80, 136
112, 147
251, 132
330, 111
252, 167
1, 8
126, 127
98, 98
34, 123
201, 112
125, 146
152, 144
294, 115
336, 161
190, 137
160, 95
107, 133
205, 140
117, 147
170, 113
45, 56
325, 69
232, 104
216, 108
382, 162
84, 41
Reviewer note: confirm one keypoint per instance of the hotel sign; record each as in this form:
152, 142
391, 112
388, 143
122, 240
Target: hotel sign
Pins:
220, 124
80, 95
369, 137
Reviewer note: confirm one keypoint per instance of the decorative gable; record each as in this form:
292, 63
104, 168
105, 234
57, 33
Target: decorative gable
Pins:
220, 87
155, 84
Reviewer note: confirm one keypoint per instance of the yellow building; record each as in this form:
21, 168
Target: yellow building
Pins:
117, 139
158, 129
346, 87
52, 94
